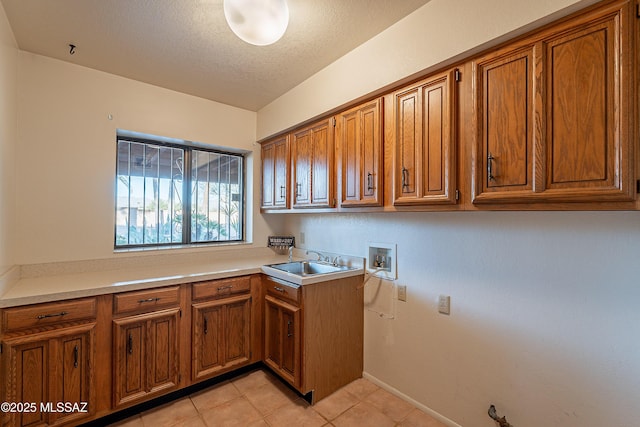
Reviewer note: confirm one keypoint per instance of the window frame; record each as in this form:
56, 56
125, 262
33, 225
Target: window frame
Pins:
187, 182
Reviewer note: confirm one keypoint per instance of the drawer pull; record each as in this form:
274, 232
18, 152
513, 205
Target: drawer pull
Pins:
279, 289
75, 356
46, 316
222, 288
142, 301
289, 334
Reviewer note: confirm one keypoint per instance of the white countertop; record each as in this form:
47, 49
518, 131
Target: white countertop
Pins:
56, 287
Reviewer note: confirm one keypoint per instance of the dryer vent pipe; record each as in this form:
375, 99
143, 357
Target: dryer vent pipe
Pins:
502, 422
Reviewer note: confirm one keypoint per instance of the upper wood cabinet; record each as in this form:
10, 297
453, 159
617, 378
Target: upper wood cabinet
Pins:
553, 113
425, 143
275, 173
313, 169
359, 140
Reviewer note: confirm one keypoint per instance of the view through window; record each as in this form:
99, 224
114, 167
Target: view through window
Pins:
160, 202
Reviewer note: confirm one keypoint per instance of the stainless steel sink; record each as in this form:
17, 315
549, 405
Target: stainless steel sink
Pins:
308, 268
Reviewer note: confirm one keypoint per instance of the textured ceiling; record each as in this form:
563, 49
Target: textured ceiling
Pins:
186, 45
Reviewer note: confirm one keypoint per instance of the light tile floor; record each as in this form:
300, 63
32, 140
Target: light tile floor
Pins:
259, 399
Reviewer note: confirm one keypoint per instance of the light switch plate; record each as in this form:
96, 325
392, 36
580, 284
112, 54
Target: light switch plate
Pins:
444, 304
402, 293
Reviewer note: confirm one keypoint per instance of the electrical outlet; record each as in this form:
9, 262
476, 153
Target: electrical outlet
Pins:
302, 237
402, 293
444, 304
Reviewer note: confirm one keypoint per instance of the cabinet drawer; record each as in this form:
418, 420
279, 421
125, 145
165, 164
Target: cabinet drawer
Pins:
220, 288
34, 316
147, 300
283, 290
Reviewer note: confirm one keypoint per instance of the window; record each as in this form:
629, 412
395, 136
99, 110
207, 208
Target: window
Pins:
160, 202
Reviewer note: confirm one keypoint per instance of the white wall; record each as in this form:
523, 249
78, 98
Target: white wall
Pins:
8, 114
65, 156
544, 320
434, 34
544, 312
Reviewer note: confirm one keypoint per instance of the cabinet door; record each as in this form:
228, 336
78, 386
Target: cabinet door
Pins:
145, 355
221, 335
207, 339
290, 326
275, 174
588, 94
28, 377
504, 122
129, 359
268, 175
313, 154
237, 348
425, 157
302, 163
281, 173
360, 142
272, 332
162, 352
283, 340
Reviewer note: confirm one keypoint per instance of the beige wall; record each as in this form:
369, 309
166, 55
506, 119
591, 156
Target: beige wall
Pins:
8, 113
544, 316
544, 319
65, 156
435, 34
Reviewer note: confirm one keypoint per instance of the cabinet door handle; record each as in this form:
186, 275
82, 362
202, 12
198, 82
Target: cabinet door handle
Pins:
289, 334
205, 326
369, 181
405, 178
298, 188
75, 356
490, 160
130, 344
142, 301
46, 316
282, 188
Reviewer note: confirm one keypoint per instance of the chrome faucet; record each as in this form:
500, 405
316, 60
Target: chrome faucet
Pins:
320, 256
290, 253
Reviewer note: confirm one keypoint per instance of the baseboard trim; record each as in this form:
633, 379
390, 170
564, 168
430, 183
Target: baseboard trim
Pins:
406, 398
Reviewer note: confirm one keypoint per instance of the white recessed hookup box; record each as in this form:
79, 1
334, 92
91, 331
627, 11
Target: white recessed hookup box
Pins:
381, 260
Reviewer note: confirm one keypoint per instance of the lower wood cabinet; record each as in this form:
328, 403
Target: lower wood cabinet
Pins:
145, 356
46, 368
282, 339
114, 351
221, 335
313, 334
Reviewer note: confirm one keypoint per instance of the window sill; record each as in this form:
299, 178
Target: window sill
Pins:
225, 245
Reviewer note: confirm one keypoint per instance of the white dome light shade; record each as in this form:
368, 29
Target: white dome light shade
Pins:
259, 22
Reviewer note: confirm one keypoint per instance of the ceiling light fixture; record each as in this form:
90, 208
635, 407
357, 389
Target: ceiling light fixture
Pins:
258, 22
